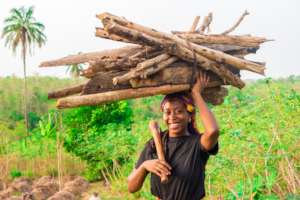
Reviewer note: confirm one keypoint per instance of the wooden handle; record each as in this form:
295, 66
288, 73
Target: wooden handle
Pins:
154, 127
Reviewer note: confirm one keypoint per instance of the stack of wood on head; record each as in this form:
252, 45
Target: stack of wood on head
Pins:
155, 62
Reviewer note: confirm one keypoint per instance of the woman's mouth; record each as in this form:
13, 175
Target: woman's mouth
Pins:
174, 125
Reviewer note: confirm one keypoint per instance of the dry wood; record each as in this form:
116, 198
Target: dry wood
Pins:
244, 41
182, 52
215, 95
102, 82
236, 24
140, 67
100, 32
176, 73
206, 22
66, 92
85, 57
156, 68
155, 131
218, 56
96, 99
220, 69
195, 24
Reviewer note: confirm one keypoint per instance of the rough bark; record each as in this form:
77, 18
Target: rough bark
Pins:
244, 41
215, 55
66, 92
102, 82
85, 57
195, 24
96, 99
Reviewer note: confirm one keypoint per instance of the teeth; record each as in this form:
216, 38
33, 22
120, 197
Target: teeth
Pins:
174, 125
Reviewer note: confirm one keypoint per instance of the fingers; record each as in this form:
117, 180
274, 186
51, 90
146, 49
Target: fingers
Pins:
162, 168
165, 164
203, 78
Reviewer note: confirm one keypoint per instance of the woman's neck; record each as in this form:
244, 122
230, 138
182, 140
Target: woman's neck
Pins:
183, 133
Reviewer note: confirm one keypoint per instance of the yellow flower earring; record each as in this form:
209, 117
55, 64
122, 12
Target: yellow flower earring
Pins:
190, 108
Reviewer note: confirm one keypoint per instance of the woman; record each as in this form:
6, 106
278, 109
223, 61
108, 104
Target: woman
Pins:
186, 150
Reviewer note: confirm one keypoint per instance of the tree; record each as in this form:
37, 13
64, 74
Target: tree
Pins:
74, 70
22, 30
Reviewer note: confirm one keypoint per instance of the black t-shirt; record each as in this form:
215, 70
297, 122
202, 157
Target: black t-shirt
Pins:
187, 159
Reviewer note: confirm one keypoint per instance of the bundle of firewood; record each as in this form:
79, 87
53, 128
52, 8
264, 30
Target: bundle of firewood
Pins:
159, 63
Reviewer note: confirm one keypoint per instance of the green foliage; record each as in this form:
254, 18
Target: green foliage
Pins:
100, 135
15, 173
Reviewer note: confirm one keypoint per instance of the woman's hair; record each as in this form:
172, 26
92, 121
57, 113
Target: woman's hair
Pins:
187, 100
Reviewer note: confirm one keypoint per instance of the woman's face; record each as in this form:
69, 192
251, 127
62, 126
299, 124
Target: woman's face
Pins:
176, 117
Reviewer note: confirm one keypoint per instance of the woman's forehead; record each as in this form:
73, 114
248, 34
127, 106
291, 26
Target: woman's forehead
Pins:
173, 104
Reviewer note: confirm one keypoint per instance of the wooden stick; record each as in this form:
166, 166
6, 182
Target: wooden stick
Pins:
244, 41
158, 67
100, 32
96, 99
209, 53
65, 92
136, 72
236, 24
155, 131
195, 24
206, 22
85, 57
182, 52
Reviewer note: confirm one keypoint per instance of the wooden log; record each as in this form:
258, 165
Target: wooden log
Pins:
243, 41
100, 32
102, 82
96, 99
182, 52
195, 24
85, 57
66, 92
218, 56
156, 68
140, 67
215, 95
220, 69
176, 73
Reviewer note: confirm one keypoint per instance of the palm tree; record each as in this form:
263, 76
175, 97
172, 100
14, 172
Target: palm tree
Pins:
22, 30
74, 70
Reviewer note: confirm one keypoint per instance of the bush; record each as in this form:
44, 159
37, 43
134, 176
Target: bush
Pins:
100, 135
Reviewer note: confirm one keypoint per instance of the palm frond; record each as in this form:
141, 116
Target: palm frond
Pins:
21, 25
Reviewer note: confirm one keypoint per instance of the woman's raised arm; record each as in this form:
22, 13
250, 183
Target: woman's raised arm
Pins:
211, 129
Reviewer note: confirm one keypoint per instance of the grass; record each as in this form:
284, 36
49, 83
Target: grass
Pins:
259, 146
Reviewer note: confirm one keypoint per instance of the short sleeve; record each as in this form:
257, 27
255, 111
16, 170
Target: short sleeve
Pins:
145, 155
213, 151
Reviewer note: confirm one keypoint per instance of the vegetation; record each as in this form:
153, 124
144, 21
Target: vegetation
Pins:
22, 30
259, 143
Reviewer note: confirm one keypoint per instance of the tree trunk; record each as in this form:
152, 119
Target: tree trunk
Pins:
25, 83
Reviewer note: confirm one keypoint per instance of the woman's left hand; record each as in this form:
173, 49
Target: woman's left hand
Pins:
201, 83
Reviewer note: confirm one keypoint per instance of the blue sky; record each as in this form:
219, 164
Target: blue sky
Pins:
70, 28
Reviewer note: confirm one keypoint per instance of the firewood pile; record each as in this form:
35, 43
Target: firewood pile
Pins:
155, 62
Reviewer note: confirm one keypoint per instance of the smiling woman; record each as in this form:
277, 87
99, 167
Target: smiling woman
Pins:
186, 150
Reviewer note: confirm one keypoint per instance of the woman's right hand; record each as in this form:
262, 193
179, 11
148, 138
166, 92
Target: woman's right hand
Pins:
158, 167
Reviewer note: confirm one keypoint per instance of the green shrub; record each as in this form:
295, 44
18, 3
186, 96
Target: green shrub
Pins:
100, 135
15, 173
